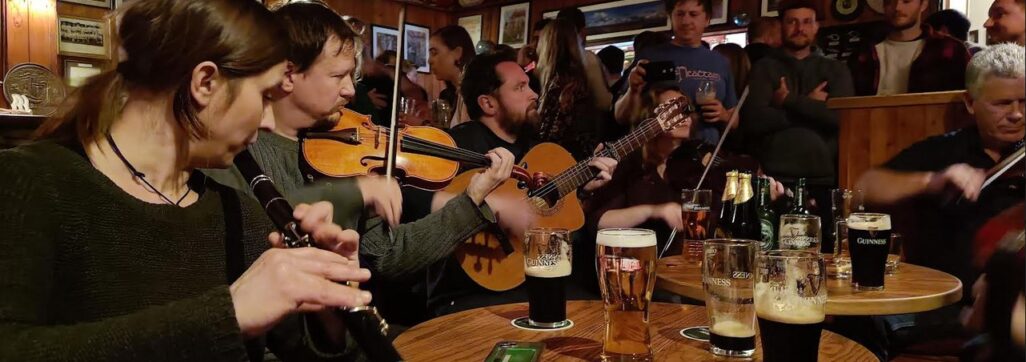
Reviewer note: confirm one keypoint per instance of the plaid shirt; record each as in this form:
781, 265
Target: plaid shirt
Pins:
939, 67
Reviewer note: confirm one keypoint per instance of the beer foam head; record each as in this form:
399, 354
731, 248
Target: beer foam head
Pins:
626, 238
869, 222
732, 328
785, 307
560, 269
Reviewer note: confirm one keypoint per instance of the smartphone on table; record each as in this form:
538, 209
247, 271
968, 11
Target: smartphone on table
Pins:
512, 351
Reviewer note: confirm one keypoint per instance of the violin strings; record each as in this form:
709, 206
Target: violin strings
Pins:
434, 149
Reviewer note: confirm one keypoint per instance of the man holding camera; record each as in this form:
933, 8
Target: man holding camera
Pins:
686, 62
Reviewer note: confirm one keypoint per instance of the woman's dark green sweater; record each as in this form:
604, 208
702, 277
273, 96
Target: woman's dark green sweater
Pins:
90, 273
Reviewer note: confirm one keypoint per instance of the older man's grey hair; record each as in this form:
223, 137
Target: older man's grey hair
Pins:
1006, 60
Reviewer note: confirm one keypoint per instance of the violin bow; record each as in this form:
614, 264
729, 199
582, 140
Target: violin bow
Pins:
393, 139
733, 119
1004, 166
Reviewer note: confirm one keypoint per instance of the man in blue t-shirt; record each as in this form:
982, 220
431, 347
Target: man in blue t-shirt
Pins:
695, 64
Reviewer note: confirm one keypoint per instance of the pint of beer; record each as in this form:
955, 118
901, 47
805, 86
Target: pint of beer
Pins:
547, 265
728, 279
790, 302
626, 270
869, 237
695, 209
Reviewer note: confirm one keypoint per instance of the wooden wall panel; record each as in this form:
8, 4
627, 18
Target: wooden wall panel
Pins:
875, 129
43, 37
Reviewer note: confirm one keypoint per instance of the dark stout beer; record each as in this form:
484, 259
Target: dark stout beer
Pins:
790, 336
546, 294
869, 238
732, 336
790, 304
547, 266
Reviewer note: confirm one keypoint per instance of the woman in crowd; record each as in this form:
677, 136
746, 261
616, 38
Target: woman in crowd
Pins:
451, 48
567, 109
646, 187
123, 251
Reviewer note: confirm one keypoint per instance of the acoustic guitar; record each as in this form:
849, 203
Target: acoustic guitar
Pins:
495, 260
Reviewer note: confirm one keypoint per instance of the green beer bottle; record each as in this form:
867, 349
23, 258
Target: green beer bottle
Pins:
767, 217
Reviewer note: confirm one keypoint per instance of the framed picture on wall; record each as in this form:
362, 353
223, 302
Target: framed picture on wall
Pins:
77, 71
416, 46
513, 24
623, 18
720, 11
472, 24
82, 37
383, 38
769, 7
97, 3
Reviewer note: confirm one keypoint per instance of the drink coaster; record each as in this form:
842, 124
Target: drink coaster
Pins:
700, 333
524, 324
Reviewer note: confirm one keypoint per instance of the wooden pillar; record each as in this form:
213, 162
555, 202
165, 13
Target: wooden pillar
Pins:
30, 33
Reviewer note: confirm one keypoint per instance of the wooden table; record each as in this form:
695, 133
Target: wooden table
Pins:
470, 336
911, 289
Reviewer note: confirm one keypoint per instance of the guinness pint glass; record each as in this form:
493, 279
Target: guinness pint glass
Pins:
800, 232
626, 270
729, 281
790, 302
547, 265
869, 236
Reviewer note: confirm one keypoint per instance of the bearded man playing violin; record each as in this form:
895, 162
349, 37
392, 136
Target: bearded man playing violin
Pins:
319, 80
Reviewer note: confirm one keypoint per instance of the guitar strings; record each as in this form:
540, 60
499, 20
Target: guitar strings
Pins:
636, 135
574, 171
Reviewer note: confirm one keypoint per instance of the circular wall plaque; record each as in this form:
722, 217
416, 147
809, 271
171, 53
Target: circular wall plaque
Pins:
43, 89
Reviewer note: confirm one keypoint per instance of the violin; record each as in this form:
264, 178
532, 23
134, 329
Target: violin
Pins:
988, 238
685, 165
427, 157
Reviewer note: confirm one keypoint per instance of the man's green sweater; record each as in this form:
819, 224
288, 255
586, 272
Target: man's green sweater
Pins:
392, 253
90, 273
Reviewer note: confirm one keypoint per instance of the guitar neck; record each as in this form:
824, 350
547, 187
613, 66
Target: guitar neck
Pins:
568, 181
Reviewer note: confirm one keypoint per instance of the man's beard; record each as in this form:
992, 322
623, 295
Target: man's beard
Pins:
520, 123
795, 44
327, 122
904, 26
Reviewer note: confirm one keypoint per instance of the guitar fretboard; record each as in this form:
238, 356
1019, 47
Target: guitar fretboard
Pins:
568, 181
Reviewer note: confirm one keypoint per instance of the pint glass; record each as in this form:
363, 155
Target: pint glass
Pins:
695, 209
800, 232
727, 276
547, 265
626, 270
869, 237
790, 302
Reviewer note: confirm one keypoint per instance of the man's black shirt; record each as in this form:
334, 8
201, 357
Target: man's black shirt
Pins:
477, 137
941, 234
449, 288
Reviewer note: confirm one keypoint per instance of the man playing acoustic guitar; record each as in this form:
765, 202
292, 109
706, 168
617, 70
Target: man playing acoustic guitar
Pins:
504, 112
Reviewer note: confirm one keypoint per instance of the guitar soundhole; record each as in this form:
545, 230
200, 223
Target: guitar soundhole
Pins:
544, 207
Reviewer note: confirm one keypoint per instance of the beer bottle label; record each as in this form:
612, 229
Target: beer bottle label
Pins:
767, 234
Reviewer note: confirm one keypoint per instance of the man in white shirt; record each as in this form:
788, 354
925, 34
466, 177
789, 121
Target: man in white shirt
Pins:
909, 59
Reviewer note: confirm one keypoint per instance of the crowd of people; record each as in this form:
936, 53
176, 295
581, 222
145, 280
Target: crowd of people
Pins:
130, 234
